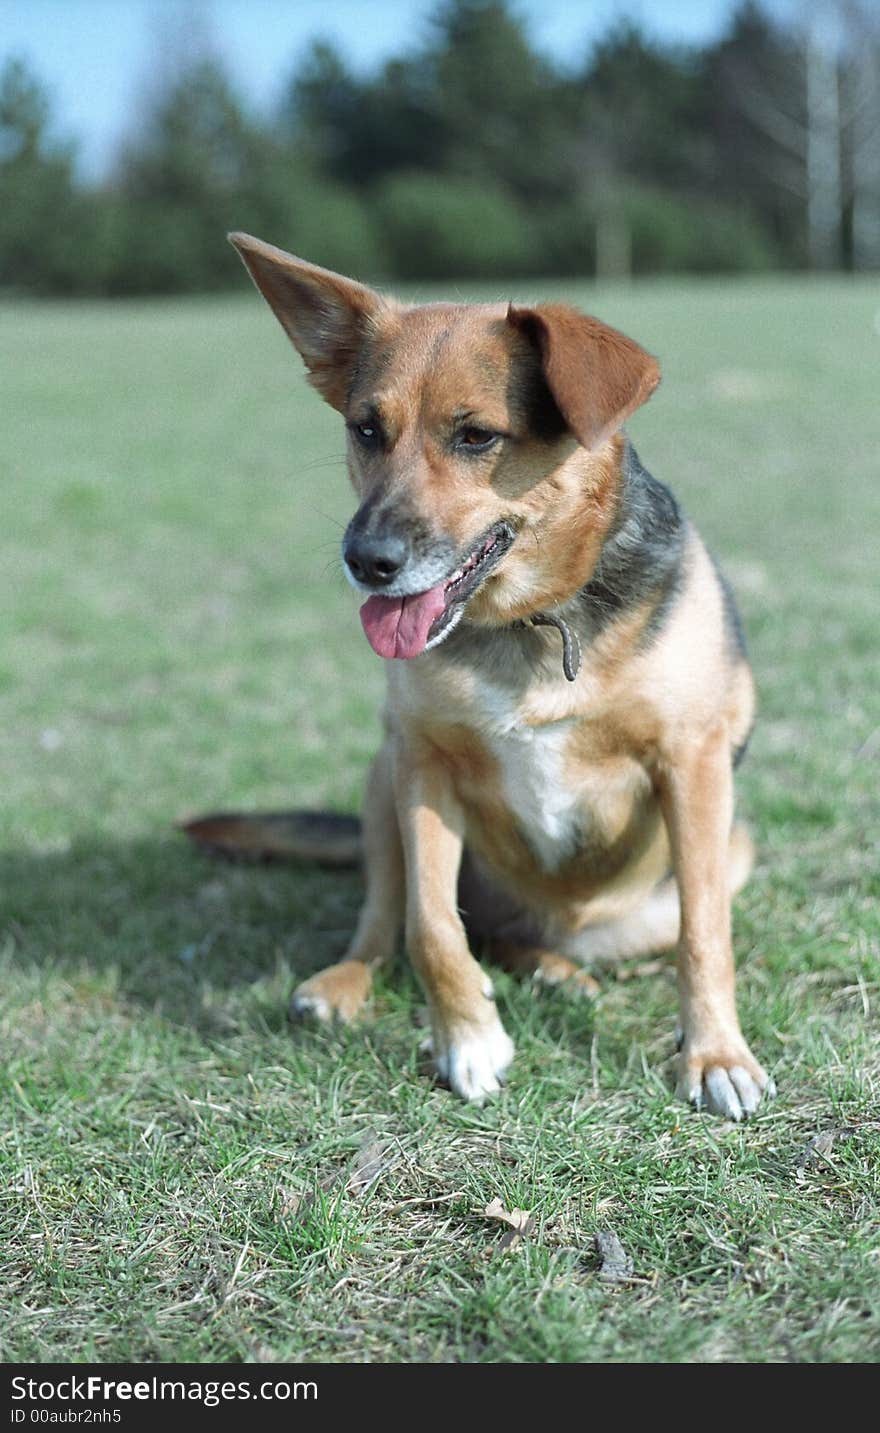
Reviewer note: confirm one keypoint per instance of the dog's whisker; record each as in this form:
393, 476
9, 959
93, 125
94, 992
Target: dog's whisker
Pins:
328, 517
315, 464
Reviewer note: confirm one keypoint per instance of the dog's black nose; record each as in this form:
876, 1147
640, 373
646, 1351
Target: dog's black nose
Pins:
373, 559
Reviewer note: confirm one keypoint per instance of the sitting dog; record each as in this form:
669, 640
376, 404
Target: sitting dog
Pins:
568, 690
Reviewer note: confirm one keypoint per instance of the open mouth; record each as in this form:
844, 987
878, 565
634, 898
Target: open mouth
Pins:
405, 626
464, 582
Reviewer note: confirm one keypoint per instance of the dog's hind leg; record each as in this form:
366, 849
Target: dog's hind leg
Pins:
648, 928
509, 934
341, 990
653, 925
546, 967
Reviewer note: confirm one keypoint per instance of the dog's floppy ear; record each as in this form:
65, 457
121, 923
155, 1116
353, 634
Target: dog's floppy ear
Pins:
324, 315
597, 376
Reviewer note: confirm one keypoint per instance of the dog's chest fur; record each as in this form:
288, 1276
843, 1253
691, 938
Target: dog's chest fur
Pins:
537, 787
544, 779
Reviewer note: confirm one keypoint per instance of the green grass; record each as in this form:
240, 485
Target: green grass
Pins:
176, 1167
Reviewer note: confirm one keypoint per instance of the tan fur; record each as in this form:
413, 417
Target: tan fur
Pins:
637, 749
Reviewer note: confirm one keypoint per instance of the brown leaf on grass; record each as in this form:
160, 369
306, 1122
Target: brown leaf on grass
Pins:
372, 1160
617, 1266
288, 1202
519, 1222
369, 1163
295, 1204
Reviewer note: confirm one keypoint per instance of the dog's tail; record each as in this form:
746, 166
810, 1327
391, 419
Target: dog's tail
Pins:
323, 838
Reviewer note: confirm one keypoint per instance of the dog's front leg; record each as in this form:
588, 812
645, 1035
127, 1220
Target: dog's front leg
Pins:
340, 991
716, 1066
470, 1045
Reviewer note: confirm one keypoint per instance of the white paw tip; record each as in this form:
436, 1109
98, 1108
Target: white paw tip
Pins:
474, 1065
314, 1005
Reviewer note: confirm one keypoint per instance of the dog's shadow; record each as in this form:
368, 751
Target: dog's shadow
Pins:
181, 933
171, 925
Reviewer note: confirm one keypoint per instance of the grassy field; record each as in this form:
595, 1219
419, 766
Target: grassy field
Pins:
183, 1178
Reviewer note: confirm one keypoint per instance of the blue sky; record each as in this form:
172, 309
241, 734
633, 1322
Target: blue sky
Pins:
95, 55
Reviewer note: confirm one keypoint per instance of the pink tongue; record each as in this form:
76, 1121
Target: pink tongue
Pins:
399, 626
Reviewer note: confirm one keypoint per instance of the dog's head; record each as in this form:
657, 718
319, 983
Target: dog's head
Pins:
478, 444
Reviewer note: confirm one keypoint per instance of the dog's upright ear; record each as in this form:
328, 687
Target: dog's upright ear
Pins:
597, 376
325, 315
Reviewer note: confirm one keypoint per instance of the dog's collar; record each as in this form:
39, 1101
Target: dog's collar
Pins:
571, 647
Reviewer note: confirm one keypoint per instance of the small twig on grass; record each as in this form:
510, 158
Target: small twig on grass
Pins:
426, 1201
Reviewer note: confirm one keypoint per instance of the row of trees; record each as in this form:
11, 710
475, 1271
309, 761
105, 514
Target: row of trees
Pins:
473, 156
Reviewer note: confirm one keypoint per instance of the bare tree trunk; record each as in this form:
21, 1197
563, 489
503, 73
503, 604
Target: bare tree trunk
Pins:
824, 188
866, 157
613, 242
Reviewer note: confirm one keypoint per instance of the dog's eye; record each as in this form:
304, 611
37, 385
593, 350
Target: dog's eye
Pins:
367, 434
477, 440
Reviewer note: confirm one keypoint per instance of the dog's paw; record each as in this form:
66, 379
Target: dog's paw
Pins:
557, 973
337, 993
729, 1083
472, 1059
